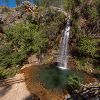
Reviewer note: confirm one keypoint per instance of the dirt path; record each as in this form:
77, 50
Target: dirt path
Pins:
16, 91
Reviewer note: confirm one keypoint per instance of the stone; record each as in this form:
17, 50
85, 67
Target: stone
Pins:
33, 59
26, 66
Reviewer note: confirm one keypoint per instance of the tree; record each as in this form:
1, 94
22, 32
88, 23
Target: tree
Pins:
47, 3
21, 40
87, 47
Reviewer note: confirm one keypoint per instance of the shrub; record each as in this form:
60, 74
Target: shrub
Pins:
86, 53
73, 82
51, 24
8, 72
5, 57
47, 3
21, 39
86, 47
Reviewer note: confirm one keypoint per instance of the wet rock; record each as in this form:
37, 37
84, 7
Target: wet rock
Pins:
88, 91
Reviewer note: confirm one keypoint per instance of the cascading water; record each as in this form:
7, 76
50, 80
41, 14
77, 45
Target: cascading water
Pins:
62, 58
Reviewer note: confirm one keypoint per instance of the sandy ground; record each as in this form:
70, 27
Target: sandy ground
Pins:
16, 91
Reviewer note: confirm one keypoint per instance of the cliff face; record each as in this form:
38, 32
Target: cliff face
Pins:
85, 17
26, 30
9, 15
28, 13
51, 21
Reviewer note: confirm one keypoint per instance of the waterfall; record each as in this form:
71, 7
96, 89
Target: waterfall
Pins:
63, 52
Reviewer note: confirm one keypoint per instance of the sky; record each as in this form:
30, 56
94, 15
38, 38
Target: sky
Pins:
11, 3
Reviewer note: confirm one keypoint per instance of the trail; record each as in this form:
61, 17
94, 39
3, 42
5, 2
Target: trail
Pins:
16, 91
15, 88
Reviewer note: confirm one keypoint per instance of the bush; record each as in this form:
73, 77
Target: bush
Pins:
20, 40
8, 72
46, 3
86, 47
5, 57
73, 82
51, 23
86, 53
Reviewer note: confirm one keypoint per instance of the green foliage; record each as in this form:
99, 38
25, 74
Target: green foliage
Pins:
52, 25
86, 47
8, 72
47, 3
21, 39
70, 5
48, 20
51, 22
85, 17
73, 82
27, 37
87, 54
5, 58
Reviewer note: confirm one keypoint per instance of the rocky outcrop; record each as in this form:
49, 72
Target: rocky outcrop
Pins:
60, 10
33, 59
8, 15
87, 92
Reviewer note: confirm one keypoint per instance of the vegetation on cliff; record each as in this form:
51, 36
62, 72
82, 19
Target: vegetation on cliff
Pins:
36, 29
26, 32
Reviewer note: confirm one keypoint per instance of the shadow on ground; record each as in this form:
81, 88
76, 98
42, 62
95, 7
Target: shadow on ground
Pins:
4, 90
32, 97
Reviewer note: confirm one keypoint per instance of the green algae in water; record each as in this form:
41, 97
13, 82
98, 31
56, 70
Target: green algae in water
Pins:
54, 78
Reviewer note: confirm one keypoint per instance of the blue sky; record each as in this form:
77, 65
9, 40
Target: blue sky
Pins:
11, 3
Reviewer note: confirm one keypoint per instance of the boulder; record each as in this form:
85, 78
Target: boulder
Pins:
33, 59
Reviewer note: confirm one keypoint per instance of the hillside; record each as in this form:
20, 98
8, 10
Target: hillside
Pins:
33, 33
